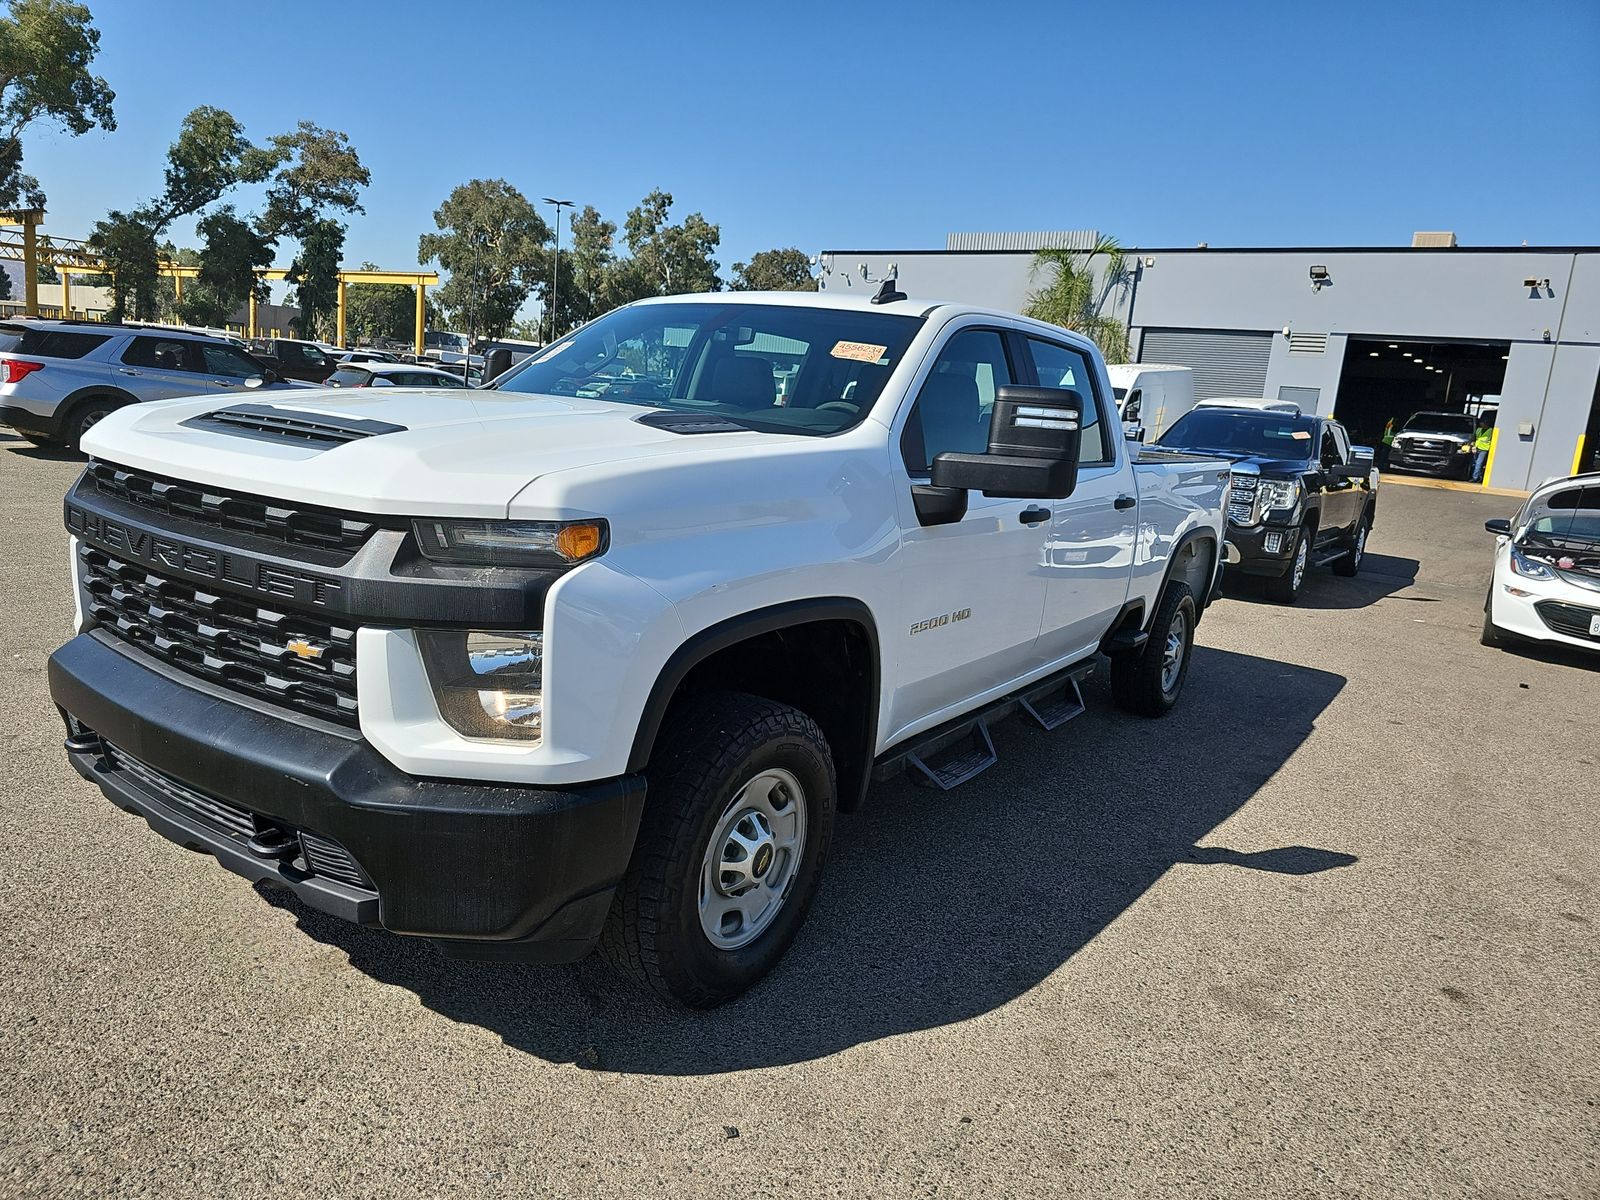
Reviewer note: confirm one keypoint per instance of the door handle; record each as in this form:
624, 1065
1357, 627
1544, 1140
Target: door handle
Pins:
1123, 502
129, 371
1033, 514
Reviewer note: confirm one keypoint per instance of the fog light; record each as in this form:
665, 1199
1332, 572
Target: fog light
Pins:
1274, 543
488, 684
1515, 591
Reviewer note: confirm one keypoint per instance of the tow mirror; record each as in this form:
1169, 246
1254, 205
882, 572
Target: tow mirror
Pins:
496, 363
1034, 434
1363, 456
1499, 525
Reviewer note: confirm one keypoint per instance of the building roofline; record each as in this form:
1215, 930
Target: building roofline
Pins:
1268, 250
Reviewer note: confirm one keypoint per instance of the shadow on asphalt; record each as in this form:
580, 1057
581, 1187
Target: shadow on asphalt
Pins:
1382, 575
935, 907
23, 448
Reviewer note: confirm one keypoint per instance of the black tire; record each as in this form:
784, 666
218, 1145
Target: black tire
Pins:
84, 414
1140, 682
708, 749
1285, 589
1350, 562
1491, 635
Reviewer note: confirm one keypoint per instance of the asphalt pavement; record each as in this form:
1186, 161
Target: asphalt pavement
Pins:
1328, 929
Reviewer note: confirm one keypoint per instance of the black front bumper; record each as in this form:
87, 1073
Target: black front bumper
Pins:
484, 870
1253, 557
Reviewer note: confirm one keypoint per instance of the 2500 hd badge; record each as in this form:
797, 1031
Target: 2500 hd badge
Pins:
936, 622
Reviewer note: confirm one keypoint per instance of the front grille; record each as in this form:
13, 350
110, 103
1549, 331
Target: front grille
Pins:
301, 661
319, 856
1570, 619
292, 524
1242, 499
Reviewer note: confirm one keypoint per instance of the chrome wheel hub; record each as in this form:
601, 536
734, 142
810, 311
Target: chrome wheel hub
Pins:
750, 863
1300, 564
1172, 653
1361, 544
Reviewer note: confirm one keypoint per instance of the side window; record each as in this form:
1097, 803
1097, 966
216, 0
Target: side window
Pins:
1062, 367
1330, 448
159, 354
1342, 436
228, 362
1130, 410
312, 355
955, 404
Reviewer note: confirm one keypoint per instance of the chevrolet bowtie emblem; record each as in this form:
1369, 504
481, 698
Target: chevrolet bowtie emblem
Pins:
304, 649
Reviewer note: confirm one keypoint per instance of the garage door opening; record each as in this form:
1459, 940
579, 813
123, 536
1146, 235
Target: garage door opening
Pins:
1389, 379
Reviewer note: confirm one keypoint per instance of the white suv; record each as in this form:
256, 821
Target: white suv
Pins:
57, 378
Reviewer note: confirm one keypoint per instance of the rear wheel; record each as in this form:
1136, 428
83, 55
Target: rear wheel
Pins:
1149, 682
1285, 589
1350, 563
730, 852
85, 415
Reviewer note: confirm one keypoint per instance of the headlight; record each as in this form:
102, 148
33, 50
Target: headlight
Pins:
1527, 568
511, 543
1278, 494
488, 684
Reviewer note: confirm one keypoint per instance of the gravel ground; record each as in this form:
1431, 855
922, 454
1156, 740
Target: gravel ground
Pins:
1328, 929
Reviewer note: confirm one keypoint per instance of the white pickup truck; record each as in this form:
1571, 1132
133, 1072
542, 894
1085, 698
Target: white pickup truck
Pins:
595, 655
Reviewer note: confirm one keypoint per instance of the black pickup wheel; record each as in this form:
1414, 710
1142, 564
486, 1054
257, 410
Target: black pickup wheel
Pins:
1150, 681
737, 821
1350, 562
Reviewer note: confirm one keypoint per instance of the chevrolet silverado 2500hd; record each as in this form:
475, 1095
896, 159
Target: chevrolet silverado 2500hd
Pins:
596, 654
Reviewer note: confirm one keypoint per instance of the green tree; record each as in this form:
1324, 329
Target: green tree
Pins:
775, 271
492, 242
46, 271
234, 248
379, 312
128, 246
1076, 293
315, 274
5, 283
210, 156
670, 259
586, 267
46, 47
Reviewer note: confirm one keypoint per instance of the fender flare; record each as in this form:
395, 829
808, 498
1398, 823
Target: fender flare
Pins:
714, 638
1201, 601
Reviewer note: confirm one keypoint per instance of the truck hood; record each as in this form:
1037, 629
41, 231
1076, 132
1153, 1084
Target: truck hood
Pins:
1460, 439
455, 452
1260, 464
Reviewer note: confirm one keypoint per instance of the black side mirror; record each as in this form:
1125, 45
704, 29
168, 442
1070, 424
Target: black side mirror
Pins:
1034, 434
271, 376
496, 363
1498, 525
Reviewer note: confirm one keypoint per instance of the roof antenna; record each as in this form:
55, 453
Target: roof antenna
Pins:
887, 292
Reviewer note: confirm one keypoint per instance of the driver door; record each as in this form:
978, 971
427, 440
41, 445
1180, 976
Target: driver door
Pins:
972, 589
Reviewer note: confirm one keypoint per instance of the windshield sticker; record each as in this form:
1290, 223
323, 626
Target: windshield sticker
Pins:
859, 351
1300, 435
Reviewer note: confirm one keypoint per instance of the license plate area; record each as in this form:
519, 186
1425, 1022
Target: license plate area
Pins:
1594, 625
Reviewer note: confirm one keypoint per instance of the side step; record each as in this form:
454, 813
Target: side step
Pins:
967, 755
1331, 558
1056, 703
962, 749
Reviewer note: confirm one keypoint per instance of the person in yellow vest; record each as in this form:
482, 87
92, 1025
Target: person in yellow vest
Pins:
1388, 444
1480, 447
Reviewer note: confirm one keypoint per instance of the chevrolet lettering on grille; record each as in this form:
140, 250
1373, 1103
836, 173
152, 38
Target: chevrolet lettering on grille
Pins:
163, 550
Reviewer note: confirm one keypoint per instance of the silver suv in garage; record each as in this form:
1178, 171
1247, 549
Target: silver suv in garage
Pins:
57, 378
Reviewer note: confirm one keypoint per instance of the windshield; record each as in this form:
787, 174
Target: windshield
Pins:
778, 368
1458, 424
1241, 431
1568, 519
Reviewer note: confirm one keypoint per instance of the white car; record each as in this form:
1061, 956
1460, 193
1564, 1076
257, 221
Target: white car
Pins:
1257, 402
381, 374
1546, 584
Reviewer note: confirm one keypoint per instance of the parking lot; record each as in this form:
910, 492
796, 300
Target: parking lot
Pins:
1330, 928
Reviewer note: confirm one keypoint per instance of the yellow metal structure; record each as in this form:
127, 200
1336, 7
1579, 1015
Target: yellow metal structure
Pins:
71, 256
1577, 455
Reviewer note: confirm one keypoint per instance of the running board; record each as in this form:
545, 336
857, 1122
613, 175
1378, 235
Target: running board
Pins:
963, 749
1331, 558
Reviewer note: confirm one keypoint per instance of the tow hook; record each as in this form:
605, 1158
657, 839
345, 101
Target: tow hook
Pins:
273, 842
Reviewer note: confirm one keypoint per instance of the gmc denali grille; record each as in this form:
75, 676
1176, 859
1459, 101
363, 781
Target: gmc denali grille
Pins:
295, 659
1242, 499
1570, 619
294, 524
318, 855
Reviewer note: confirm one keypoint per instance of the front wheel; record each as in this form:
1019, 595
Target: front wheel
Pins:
85, 417
737, 822
1285, 589
1149, 682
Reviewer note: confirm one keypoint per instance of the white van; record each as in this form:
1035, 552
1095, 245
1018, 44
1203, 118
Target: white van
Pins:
1150, 396
1256, 402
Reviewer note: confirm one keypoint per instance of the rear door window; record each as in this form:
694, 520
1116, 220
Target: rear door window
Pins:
161, 354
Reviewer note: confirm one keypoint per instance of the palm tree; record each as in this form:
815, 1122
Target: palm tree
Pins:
1074, 297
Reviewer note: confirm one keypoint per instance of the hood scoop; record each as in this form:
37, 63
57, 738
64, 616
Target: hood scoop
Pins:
270, 424
688, 422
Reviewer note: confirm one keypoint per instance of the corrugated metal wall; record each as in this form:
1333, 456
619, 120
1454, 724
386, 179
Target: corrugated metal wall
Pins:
1225, 364
1067, 239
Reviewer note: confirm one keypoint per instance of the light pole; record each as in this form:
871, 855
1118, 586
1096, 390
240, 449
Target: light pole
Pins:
555, 273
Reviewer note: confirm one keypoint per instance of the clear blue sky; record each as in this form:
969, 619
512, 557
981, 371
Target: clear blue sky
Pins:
886, 125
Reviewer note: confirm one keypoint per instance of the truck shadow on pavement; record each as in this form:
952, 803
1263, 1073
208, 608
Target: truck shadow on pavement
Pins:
1382, 575
936, 907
